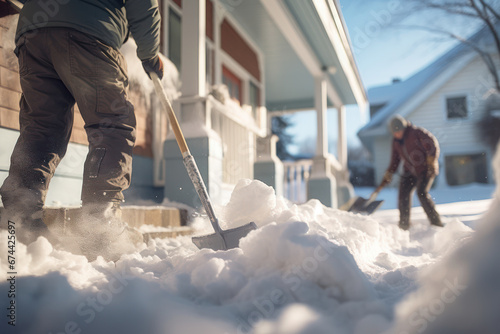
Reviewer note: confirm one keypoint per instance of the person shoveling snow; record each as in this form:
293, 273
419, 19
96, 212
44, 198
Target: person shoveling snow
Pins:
73, 56
419, 151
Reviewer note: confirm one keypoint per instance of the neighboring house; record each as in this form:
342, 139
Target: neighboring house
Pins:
236, 60
448, 98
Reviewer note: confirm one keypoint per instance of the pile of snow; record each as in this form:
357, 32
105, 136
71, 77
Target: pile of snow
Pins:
306, 269
462, 293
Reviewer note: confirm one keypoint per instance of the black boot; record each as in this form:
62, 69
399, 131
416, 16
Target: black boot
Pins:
104, 233
404, 225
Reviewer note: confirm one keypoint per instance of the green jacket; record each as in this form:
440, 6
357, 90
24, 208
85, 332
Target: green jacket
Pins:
107, 20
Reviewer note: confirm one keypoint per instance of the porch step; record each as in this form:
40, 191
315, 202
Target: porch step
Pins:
161, 222
173, 232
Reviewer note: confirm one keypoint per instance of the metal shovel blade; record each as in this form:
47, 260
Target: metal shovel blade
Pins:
362, 205
225, 239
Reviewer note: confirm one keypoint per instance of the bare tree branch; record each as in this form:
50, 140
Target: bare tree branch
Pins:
481, 10
485, 56
492, 11
488, 22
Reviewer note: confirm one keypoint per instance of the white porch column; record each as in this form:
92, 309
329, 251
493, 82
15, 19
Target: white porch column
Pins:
322, 184
342, 138
193, 48
345, 190
268, 168
219, 14
320, 100
204, 145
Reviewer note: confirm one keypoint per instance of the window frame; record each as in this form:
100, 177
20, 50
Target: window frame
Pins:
445, 99
234, 78
447, 159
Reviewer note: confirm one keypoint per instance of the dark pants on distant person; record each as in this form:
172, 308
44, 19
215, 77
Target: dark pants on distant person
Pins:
58, 67
422, 184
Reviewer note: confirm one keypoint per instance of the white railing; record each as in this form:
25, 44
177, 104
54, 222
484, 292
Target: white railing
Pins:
296, 174
238, 131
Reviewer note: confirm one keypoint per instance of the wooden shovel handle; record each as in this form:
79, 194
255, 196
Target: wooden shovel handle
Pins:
181, 141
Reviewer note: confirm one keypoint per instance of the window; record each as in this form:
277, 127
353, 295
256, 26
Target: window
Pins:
456, 107
233, 84
254, 98
464, 169
174, 38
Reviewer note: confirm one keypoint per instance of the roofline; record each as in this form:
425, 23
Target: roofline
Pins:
337, 32
463, 56
293, 34
281, 16
413, 102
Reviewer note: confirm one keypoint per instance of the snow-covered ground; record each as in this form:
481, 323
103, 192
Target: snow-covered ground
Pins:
306, 269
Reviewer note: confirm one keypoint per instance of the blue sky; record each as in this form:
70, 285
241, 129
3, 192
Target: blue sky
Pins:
382, 51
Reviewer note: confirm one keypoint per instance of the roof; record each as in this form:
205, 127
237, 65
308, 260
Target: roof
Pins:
383, 94
398, 94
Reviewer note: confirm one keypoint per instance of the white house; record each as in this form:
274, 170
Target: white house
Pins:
272, 55
447, 98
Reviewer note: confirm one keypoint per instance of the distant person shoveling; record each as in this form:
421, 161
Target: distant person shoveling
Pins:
419, 151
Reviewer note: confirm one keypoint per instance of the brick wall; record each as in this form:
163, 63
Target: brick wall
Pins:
10, 90
10, 93
144, 140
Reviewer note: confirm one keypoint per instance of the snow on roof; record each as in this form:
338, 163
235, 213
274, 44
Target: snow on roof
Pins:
398, 94
383, 94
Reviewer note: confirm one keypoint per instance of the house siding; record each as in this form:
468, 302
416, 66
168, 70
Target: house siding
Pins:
381, 156
460, 133
10, 89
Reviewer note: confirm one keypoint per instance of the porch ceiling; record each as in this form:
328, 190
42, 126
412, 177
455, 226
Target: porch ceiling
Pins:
289, 83
306, 16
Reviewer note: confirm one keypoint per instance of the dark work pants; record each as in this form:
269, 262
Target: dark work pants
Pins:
406, 188
59, 66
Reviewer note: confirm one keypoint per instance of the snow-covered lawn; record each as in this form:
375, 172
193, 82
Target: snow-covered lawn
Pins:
307, 269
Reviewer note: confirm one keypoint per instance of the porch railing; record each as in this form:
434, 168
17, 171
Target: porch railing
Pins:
297, 174
237, 130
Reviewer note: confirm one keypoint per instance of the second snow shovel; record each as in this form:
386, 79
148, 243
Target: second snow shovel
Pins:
361, 205
221, 239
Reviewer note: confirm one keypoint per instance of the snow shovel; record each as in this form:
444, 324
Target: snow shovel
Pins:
361, 205
221, 239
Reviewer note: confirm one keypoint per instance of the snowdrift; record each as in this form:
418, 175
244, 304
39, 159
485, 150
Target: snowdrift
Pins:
307, 269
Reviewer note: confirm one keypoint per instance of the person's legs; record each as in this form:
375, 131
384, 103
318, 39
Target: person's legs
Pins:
98, 79
46, 120
406, 187
424, 184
